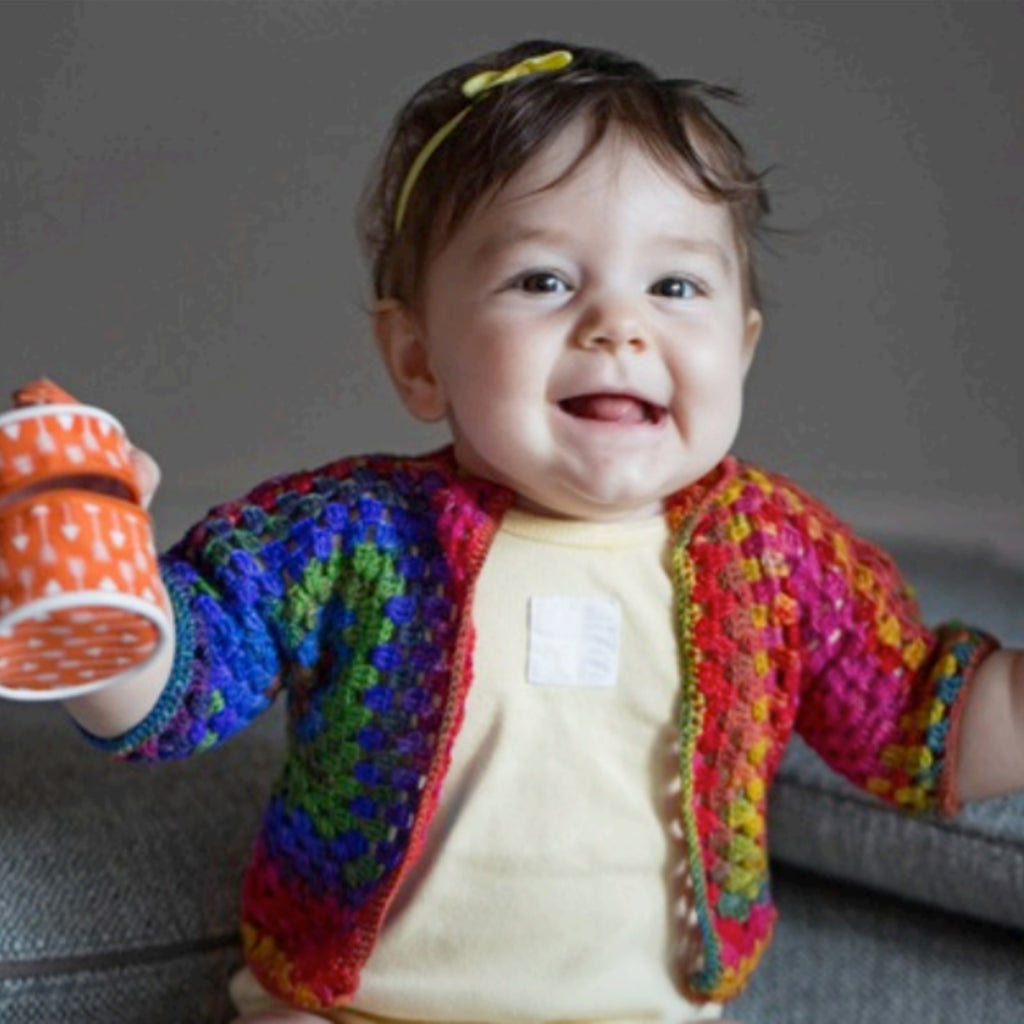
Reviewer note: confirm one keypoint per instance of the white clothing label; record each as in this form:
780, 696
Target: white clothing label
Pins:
574, 641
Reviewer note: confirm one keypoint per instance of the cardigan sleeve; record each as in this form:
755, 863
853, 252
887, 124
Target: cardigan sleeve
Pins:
248, 585
880, 691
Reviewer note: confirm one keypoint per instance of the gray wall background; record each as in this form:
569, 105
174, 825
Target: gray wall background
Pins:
177, 182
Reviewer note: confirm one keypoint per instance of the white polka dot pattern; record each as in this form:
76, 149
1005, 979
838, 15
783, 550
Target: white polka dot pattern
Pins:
80, 599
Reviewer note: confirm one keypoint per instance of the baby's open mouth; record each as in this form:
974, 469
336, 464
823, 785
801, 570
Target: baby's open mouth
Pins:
609, 408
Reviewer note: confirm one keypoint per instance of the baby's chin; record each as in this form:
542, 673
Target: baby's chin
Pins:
588, 505
563, 489
617, 496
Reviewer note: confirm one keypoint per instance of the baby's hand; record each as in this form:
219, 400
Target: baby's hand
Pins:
147, 472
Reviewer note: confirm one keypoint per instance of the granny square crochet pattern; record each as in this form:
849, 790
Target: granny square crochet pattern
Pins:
350, 590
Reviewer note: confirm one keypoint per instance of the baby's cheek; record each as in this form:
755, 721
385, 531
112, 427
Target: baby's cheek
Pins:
716, 382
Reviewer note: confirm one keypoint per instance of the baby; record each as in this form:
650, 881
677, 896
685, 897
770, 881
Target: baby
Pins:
538, 683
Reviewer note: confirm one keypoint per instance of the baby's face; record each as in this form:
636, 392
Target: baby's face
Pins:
587, 342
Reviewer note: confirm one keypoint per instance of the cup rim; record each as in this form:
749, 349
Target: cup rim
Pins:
85, 598
59, 409
50, 495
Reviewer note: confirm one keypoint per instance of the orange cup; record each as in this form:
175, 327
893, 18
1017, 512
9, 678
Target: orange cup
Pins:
80, 598
41, 445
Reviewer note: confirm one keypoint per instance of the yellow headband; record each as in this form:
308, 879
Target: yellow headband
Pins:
472, 88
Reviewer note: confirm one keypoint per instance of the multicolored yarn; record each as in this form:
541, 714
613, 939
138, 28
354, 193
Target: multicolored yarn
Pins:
789, 620
350, 588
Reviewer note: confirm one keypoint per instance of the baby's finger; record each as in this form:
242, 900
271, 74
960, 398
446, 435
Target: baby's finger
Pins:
147, 472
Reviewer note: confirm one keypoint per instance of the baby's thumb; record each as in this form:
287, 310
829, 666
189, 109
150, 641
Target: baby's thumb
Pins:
147, 472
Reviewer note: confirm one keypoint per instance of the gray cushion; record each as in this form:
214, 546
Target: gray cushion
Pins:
119, 885
845, 955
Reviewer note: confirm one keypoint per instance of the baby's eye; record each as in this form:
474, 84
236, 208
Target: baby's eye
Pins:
676, 288
541, 282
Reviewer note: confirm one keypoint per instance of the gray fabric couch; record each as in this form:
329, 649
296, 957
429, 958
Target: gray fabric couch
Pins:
119, 885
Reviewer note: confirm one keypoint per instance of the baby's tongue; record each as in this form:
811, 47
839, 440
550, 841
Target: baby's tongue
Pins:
608, 408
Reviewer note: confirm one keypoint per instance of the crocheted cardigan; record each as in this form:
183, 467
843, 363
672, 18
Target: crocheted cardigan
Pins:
350, 588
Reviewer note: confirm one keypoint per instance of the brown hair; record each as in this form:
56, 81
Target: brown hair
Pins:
511, 123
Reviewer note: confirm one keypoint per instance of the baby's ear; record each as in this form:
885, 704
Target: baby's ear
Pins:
751, 336
400, 339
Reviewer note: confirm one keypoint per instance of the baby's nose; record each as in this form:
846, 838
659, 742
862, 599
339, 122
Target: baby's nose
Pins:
612, 324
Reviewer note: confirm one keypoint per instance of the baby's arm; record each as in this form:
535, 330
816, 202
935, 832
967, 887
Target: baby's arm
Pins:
222, 665
990, 754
